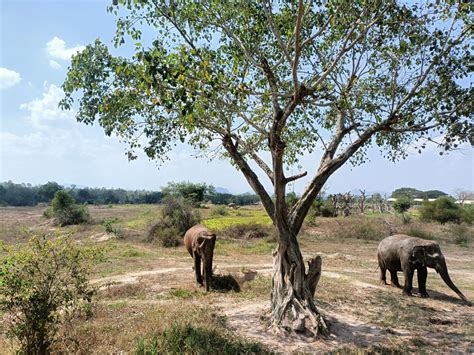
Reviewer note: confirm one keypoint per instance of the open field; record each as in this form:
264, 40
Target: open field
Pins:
144, 288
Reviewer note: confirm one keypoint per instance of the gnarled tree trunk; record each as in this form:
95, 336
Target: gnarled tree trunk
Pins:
292, 298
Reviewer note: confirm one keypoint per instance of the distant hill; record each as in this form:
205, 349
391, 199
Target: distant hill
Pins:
222, 190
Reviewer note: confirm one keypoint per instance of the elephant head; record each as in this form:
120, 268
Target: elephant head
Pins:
205, 248
430, 255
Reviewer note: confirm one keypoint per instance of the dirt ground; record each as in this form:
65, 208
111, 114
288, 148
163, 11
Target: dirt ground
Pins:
141, 282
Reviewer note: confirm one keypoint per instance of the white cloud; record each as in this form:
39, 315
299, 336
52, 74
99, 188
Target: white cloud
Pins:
55, 65
56, 48
8, 78
45, 109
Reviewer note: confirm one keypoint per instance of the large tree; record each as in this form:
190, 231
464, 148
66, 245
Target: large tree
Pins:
286, 77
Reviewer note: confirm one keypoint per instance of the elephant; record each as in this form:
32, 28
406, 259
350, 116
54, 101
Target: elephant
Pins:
200, 242
402, 252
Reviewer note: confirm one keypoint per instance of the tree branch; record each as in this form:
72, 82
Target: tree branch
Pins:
249, 174
296, 58
296, 177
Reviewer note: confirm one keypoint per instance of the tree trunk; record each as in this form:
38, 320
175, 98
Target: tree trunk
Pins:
293, 289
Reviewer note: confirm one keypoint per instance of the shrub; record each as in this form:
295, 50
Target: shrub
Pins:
187, 339
108, 224
320, 209
442, 210
402, 204
165, 234
65, 210
43, 284
179, 214
48, 213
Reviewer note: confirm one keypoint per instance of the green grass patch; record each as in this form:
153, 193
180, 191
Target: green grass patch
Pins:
189, 339
181, 293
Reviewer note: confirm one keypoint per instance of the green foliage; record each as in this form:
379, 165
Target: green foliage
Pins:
27, 195
218, 198
177, 216
194, 193
65, 210
187, 339
407, 192
46, 192
443, 210
179, 213
215, 77
411, 193
320, 208
402, 204
167, 235
48, 213
109, 226
43, 284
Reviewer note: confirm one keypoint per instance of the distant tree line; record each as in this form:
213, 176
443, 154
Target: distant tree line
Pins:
411, 193
12, 194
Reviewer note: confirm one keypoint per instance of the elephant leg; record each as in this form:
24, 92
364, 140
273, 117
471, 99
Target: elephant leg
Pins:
422, 275
383, 276
197, 269
394, 279
408, 281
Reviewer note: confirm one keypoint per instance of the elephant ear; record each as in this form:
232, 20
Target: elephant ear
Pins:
418, 254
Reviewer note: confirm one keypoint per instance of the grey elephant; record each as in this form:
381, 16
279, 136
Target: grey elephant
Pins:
200, 242
404, 253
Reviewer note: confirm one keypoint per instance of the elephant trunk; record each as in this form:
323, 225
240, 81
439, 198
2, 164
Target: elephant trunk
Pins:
442, 269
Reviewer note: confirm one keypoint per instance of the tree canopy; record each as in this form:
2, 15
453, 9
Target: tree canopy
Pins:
289, 77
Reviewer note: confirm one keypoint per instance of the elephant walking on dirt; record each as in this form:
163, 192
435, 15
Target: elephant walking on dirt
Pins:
200, 242
404, 253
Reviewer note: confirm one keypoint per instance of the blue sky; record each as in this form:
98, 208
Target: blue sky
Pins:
40, 143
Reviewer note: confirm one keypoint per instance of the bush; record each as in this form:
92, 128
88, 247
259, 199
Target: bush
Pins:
402, 204
43, 284
165, 234
443, 210
187, 339
108, 224
179, 214
65, 210
320, 209
48, 213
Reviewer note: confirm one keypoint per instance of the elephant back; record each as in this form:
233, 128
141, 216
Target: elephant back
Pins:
193, 233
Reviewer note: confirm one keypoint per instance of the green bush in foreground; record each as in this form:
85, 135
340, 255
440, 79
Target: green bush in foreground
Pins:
66, 212
186, 339
42, 285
